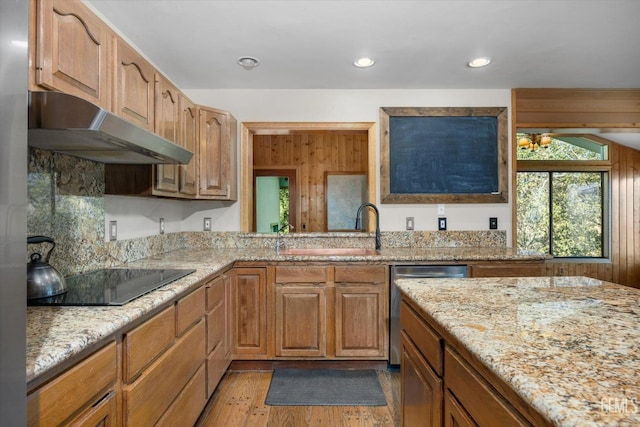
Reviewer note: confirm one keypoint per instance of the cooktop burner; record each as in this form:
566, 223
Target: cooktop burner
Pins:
111, 286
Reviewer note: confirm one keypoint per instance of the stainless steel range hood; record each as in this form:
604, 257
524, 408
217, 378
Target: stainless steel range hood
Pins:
70, 125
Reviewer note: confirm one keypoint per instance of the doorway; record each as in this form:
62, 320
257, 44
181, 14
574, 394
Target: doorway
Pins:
274, 200
348, 141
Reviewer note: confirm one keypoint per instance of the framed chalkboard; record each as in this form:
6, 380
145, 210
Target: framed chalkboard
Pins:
444, 155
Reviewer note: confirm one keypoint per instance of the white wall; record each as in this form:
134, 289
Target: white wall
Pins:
325, 106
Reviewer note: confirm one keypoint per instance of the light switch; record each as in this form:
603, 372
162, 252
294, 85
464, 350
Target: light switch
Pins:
493, 223
409, 223
113, 230
442, 223
206, 224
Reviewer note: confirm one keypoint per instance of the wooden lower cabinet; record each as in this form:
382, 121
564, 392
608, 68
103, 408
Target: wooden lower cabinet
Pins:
301, 320
218, 326
84, 395
420, 388
330, 311
249, 304
145, 400
458, 396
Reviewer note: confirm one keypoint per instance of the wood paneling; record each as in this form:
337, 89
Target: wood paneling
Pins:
311, 154
595, 110
577, 108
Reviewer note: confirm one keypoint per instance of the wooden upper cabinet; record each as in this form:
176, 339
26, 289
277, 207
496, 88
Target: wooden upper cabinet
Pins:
188, 138
217, 165
167, 117
134, 86
72, 51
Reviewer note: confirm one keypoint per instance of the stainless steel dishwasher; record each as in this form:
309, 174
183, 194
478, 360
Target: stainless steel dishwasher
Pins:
412, 272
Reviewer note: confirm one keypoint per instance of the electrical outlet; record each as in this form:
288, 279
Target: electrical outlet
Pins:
441, 209
442, 223
493, 223
113, 230
161, 225
409, 223
206, 224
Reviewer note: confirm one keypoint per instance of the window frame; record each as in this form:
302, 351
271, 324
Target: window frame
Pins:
602, 166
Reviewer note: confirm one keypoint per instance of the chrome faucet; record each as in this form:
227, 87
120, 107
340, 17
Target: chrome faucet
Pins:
372, 206
279, 244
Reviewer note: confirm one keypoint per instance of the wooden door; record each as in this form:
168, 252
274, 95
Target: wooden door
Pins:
214, 166
301, 320
167, 116
72, 47
188, 138
134, 91
250, 311
421, 390
101, 414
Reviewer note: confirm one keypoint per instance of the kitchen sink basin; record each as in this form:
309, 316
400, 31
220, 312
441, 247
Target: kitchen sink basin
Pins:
329, 251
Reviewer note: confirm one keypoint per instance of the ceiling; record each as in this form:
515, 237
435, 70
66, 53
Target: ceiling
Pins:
417, 44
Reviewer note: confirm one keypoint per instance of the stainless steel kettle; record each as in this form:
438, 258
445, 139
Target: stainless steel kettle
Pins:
42, 279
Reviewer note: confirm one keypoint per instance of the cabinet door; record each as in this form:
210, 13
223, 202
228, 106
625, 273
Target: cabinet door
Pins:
72, 47
134, 91
420, 388
216, 169
167, 115
250, 311
301, 320
454, 413
360, 313
188, 138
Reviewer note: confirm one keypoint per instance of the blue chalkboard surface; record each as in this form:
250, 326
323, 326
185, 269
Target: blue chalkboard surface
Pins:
444, 155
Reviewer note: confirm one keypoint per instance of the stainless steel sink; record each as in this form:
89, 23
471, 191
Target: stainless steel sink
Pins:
329, 251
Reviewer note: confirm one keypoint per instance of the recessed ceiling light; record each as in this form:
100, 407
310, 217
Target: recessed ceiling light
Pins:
479, 62
364, 62
248, 62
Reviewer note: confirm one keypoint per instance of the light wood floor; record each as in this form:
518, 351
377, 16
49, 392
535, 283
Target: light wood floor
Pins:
239, 401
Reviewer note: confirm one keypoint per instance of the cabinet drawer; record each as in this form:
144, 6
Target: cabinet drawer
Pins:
153, 392
301, 274
187, 407
58, 400
425, 338
215, 328
476, 396
215, 292
361, 274
507, 270
189, 309
146, 342
217, 365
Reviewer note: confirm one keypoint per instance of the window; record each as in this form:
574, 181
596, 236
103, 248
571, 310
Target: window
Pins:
562, 198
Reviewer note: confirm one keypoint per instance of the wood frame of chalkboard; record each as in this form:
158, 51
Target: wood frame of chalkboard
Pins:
443, 155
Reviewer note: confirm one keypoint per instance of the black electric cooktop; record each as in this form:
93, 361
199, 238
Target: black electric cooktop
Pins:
111, 286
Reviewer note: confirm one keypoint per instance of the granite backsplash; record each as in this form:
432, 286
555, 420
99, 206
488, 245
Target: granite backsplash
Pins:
66, 203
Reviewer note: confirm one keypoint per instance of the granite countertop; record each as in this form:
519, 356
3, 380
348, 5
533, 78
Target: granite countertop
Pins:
570, 346
55, 334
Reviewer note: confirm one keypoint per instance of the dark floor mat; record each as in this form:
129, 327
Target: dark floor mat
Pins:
325, 387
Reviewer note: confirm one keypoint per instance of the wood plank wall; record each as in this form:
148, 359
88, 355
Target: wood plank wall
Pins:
614, 110
312, 154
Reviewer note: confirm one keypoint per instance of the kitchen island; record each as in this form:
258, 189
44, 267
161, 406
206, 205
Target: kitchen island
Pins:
554, 350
